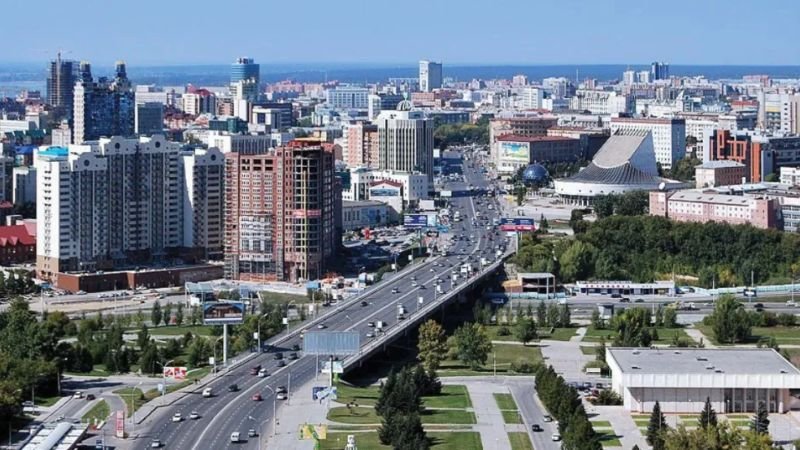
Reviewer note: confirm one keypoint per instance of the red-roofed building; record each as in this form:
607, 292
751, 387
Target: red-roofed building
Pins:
18, 244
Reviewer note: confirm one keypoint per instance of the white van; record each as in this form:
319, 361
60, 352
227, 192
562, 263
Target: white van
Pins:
207, 392
235, 437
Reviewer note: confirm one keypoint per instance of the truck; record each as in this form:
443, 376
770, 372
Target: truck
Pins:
379, 325
457, 216
484, 262
466, 269
401, 311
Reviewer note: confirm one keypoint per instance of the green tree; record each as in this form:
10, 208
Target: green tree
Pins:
604, 206
432, 345
564, 317
600, 351
541, 314
577, 261
156, 314
196, 315
597, 321
149, 360
772, 177
143, 337
720, 437
730, 322
472, 345
670, 318
525, 330
179, 314
708, 417
10, 400
656, 428
167, 315
760, 422
553, 315
659, 316
519, 194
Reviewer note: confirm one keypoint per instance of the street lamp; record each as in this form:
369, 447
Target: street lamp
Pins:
133, 407
164, 375
259, 330
215, 353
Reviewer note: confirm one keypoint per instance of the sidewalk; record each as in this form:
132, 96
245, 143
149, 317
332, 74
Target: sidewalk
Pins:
302, 410
697, 336
490, 423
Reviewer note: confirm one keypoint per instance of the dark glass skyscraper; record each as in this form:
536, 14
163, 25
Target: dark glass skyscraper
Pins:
245, 69
61, 80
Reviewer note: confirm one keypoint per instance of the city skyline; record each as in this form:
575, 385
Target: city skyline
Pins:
543, 33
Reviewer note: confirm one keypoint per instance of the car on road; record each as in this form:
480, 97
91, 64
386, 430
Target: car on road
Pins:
639, 300
155, 443
207, 392
233, 388
292, 356
364, 303
296, 347
625, 300
90, 397
281, 390
194, 415
177, 417
235, 437
370, 334
321, 326
413, 284
278, 355
395, 291
556, 437
252, 432
77, 394
536, 428
759, 306
371, 324
547, 418
256, 397
281, 363
281, 397
255, 369
263, 373
422, 286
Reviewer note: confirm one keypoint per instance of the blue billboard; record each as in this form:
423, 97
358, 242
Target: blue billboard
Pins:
517, 224
415, 220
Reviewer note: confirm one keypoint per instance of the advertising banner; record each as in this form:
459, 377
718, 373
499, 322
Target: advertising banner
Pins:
515, 151
415, 220
219, 313
517, 224
176, 373
119, 428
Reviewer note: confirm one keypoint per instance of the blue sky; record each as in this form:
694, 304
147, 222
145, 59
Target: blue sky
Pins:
736, 32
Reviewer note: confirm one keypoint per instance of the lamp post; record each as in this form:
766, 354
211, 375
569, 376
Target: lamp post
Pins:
215, 353
164, 375
133, 407
259, 330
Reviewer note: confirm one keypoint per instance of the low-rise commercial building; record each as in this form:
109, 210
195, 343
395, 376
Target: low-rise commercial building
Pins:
696, 206
735, 380
718, 173
515, 151
365, 214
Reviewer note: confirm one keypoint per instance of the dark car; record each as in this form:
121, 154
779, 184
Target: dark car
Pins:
281, 363
254, 370
364, 303
292, 356
758, 306
233, 388
278, 355
280, 390
536, 428
296, 347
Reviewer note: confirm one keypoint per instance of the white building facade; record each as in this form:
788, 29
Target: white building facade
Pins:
405, 141
669, 136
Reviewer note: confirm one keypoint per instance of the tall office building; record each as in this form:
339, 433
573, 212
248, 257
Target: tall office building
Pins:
61, 79
659, 71
347, 97
280, 213
149, 118
121, 201
405, 140
430, 76
104, 108
245, 69
669, 136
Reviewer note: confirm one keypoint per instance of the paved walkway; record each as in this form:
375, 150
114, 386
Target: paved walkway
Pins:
490, 423
579, 334
303, 410
698, 336
621, 422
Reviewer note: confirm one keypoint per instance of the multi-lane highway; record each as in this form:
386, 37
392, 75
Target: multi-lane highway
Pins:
235, 411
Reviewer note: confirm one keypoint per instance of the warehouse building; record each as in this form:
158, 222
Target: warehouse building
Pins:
736, 380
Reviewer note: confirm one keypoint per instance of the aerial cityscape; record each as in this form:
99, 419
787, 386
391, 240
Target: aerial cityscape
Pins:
346, 226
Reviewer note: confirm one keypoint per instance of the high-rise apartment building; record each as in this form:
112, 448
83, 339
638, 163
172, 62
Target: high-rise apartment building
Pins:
405, 140
669, 136
23, 185
430, 76
347, 97
245, 69
531, 98
121, 201
104, 108
659, 71
280, 213
382, 101
61, 79
363, 145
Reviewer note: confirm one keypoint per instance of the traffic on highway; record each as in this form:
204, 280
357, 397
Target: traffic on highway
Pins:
237, 409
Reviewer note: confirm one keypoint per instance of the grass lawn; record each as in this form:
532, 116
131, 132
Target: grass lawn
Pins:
452, 396
467, 440
510, 416
601, 424
505, 401
280, 298
358, 415
588, 350
665, 335
784, 335
609, 439
47, 401
367, 415
559, 334
505, 354
98, 413
491, 330
520, 441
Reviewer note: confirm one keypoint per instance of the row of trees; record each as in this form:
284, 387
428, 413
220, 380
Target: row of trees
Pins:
400, 404
717, 254
460, 134
710, 434
565, 405
732, 324
634, 203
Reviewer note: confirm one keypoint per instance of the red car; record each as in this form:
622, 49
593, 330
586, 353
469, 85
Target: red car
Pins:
256, 397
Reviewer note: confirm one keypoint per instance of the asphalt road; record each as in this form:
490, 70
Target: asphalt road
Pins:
524, 394
227, 412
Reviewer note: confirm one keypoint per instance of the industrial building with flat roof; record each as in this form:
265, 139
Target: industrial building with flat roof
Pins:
735, 380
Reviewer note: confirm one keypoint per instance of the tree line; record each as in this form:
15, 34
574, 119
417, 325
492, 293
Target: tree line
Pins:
564, 404
647, 248
400, 404
446, 135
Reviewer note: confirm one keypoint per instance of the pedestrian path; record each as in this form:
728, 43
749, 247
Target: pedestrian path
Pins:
302, 411
698, 337
490, 423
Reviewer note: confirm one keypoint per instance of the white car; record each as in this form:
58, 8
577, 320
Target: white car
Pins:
177, 417
555, 437
155, 443
281, 396
78, 394
194, 415
235, 436
321, 326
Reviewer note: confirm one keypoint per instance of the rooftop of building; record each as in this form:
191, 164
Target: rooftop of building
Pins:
361, 203
648, 120
711, 198
54, 152
14, 235
719, 164
737, 361
520, 138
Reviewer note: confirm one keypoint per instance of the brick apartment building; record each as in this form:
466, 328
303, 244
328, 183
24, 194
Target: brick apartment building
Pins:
280, 213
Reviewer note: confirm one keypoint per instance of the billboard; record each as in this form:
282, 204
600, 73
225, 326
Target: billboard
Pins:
331, 342
380, 191
415, 220
220, 313
337, 367
119, 429
176, 373
516, 151
517, 224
